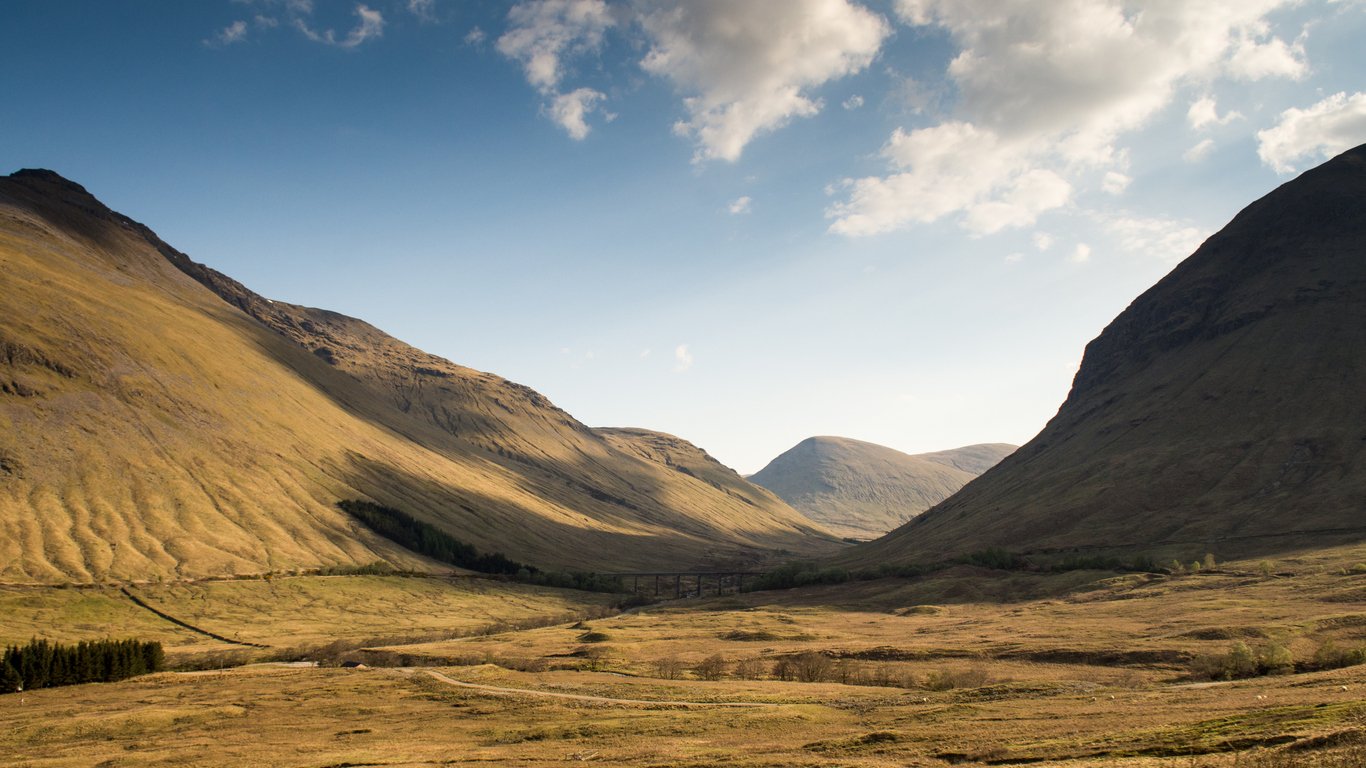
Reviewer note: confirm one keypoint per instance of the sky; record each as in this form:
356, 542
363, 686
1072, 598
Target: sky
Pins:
743, 223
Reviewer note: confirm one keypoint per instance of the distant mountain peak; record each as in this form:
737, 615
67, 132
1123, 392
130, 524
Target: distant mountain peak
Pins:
861, 489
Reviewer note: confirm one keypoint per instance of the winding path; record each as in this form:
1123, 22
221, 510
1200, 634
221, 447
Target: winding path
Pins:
497, 691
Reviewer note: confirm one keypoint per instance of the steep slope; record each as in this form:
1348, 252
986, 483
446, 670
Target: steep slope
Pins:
863, 490
1223, 411
149, 428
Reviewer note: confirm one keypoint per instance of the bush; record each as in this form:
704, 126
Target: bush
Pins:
811, 667
749, 669
711, 668
594, 636
668, 668
791, 575
1241, 661
1330, 656
948, 679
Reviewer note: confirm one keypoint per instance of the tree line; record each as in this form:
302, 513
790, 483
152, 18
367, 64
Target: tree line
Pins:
426, 539
44, 664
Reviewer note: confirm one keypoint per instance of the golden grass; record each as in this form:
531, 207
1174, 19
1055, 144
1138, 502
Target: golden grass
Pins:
149, 429
1062, 673
286, 613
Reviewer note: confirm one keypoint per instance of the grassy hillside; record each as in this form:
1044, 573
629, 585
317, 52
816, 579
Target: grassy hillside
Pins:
149, 428
1221, 412
863, 490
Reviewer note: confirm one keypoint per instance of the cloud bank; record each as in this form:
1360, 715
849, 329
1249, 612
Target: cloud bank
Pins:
1045, 93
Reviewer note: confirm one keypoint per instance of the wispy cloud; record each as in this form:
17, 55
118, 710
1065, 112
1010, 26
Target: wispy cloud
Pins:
739, 205
1081, 254
1168, 240
541, 35
853, 102
371, 25
1204, 112
682, 358
424, 10
1198, 152
235, 32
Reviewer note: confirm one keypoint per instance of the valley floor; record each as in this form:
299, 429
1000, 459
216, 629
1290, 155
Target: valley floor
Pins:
970, 667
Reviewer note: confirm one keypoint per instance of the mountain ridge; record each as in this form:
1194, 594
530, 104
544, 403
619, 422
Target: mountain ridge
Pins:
1220, 412
163, 421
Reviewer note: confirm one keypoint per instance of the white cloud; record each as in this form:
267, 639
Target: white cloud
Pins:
853, 102
1042, 240
1257, 56
1014, 258
739, 205
541, 33
1198, 152
371, 25
235, 32
1164, 239
1051, 87
475, 36
1205, 112
949, 168
748, 68
424, 10
1081, 254
1324, 129
569, 110
682, 358
1115, 182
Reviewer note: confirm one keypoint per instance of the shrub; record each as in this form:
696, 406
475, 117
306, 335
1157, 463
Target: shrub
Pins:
711, 668
668, 668
948, 679
751, 668
1241, 661
811, 667
594, 636
1330, 656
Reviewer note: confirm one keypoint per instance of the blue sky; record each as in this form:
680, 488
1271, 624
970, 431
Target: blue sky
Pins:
744, 223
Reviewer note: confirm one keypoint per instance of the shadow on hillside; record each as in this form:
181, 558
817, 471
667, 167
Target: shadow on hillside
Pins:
527, 535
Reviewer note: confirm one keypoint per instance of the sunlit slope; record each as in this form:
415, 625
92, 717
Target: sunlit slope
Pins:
150, 429
1223, 411
864, 490
695, 477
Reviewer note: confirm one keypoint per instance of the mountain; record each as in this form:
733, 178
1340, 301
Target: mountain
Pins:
160, 420
1224, 411
863, 490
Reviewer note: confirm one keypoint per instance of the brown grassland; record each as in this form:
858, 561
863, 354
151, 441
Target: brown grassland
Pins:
969, 667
